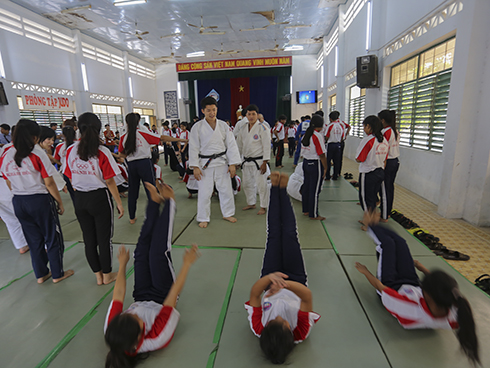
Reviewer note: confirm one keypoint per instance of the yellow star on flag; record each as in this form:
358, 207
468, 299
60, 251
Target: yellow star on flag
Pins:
241, 89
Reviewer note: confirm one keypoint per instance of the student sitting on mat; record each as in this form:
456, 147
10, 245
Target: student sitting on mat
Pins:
283, 316
434, 303
150, 322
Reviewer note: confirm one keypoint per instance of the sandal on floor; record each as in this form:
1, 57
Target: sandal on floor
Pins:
454, 255
483, 282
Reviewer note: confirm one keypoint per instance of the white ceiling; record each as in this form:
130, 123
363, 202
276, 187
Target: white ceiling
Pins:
166, 17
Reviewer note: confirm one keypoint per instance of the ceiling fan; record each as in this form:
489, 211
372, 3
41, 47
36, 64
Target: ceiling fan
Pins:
275, 49
202, 29
178, 34
300, 26
229, 52
254, 29
271, 17
166, 59
137, 33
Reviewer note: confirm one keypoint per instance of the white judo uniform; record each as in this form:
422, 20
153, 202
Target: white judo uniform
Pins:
204, 141
295, 183
255, 144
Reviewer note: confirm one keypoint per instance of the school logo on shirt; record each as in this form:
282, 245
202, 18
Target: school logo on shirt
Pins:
256, 136
266, 306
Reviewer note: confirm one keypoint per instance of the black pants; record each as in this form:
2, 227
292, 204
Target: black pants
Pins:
312, 186
166, 150
185, 154
282, 249
291, 146
342, 146
69, 187
334, 154
138, 170
274, 147
153, 269
395, 263
280, 153
387, 192
95, 213
369, 186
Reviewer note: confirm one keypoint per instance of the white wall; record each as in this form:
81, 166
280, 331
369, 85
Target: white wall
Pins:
305, 78
167, 79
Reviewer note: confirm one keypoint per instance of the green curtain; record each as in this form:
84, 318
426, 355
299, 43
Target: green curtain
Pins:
283, 107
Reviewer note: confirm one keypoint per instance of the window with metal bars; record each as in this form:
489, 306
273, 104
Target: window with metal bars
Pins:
420, 94
46, 117
357, 106
109, 114
333, 103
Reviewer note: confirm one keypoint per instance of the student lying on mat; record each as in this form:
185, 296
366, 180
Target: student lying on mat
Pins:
150, 322
434, 303
282, 316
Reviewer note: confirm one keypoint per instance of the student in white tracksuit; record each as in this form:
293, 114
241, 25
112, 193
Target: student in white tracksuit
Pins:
213, 154
254, 145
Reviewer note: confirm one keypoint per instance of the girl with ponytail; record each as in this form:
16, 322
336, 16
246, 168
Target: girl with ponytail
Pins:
135, 146
314, 167
434, 303
68, 134
29, 174
371, 154
92, 169
392, 136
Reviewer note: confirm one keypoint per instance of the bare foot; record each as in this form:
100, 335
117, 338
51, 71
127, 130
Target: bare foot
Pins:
154, 195
203, 224
231, 219
190, 195
262, 211
123, 195
132, 221
67, 274
321, 218
109, 277
275, 177
250, 207
283, 181
100, 279
383, 220
361, 222
306, 213
181, 181
24, 249
364, 228
44, 278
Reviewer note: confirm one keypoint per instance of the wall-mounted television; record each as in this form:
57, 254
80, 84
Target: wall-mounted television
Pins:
306, 97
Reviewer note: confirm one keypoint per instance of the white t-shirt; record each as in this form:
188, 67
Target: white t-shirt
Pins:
144, 140
122, 177
334, 132
29, 178
90, 175
393, 142
184, 134
316, 147
279, 128
371, 153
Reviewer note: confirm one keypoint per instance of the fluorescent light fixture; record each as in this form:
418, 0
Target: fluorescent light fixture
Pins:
2, 69
195, 54
84, 78
293, 48
368, 26
336, 60
179, 91
128, 2
321, 76
130, 82
291, 84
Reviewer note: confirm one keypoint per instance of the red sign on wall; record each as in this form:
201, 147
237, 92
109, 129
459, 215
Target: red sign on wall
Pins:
45, 101
234, 64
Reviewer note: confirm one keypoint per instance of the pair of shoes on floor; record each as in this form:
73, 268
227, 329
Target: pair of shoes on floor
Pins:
432, 242
354, 183
348, 176
402, 220
483, 282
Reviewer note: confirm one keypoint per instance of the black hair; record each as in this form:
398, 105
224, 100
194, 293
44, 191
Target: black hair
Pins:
276, 341
320, 112
165, 124
443, 289
206, 101
155, 156
388, 117
316, 122
307, 117
89, 125
5, 126
71, 122
69, 134
282, 117
252, 107
122, 337
184, 124
376, 126
53, 125
107, 125
334, 115
46, 133
146, 125
25, 136
132, 120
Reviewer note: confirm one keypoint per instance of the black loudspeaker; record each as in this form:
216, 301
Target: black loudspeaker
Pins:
3, 95
367, 71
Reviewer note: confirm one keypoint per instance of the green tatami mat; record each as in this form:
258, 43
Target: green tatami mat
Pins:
341, 338
338, 190
14, 265
345, 231
199, 305
420, 348
39, 316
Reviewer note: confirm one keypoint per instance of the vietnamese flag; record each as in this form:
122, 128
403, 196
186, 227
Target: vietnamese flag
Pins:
240, 95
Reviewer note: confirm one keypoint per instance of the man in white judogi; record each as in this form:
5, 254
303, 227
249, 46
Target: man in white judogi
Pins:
254, 145
213, 154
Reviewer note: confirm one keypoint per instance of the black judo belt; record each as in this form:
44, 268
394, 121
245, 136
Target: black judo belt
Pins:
211, 158
254, 160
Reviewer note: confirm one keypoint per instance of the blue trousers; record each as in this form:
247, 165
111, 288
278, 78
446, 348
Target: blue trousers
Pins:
395, 263
369, 186
334, 154
38, 217
387, 192
312, 186
297, 154
153, 269
138, 170
282, 248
